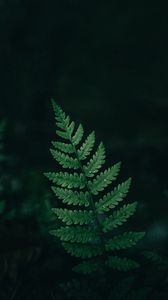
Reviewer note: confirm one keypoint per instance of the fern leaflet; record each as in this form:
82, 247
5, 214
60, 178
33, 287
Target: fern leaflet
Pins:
112, 199
74, 216
121, 264
125, 240
66, 148
75, 234
83, 251
71, 197
119, 216
104, 179
95, 162
87, 146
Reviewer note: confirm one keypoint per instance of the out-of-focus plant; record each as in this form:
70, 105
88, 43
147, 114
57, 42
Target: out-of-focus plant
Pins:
25, 218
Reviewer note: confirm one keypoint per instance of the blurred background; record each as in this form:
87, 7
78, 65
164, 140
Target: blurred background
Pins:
105, 62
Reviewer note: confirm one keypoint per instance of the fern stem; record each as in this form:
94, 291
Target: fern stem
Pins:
91, 198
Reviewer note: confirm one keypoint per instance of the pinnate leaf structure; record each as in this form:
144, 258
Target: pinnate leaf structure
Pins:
87, 216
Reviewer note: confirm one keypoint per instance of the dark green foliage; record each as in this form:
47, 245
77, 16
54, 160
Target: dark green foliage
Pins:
85, 232
157, 259
123, 289
125, 240
25, 218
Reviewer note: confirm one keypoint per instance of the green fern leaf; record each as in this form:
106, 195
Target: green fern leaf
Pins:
67, 180
95, 162
65, 160
62, 121
121, 264
88, 267
87, 146
72, 197
83, 233
78, 135
62, 134
83, 251
70, 129
66, 148
125, 240
119, 216
59, 114
74, 216
113, 198
75, 234
104, 179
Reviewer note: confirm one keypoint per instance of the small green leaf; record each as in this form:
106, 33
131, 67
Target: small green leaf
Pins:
65, 160
74, 216
72, 197
95, 162
104, 179
88, 267
70, 128
125, 240
87, 146
119, 216
83, 251
64, 147
62, 134
121, 264
113, 198
78, 135
76, 234
67, 180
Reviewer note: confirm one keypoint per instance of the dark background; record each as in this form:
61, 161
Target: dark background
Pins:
105, 62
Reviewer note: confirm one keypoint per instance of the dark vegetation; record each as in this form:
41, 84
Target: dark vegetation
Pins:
106, 64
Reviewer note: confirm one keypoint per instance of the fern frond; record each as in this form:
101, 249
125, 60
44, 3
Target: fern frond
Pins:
75, 234
95, 162
74, 216
83, 231
104, 179
87, 146
88, 267
64, 147
83, 251
119, 216
113, 198
121, 264
125, 240
67, 180
72, 197
78, 135
65, 160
